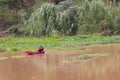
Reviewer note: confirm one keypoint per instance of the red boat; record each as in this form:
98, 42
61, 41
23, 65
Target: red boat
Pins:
32, 53
39, 51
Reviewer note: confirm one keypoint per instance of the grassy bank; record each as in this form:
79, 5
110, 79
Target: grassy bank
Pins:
88, 56
55, 42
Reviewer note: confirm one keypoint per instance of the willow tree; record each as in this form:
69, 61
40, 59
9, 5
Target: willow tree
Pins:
51, 19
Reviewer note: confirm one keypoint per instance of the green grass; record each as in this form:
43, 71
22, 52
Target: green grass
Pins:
88, 56
13, 56
3, 58
56, 42
18, 56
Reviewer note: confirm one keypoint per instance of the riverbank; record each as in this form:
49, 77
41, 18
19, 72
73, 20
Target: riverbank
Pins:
12, 44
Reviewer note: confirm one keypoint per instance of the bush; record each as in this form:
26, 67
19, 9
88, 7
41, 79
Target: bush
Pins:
113, 18
97, 17
2, 49
51, 19
91, 14
66, 18
15, 30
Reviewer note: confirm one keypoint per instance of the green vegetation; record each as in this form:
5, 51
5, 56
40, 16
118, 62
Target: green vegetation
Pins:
14, 12
50, 19
35, 18
18, 56
3, 58
96, 17
13, 56
71, 18
88, 56
55, 42
64, 17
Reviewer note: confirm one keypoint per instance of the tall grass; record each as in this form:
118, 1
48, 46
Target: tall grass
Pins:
70, 18
91, 14
96, 16
51, 19
113, 18
6, 17
41, 21
67, 18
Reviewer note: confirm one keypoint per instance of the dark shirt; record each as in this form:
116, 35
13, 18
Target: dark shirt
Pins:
41, 50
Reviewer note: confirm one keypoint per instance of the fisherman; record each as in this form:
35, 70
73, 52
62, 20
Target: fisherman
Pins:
41, 50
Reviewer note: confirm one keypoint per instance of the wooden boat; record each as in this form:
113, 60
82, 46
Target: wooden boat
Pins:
33, 52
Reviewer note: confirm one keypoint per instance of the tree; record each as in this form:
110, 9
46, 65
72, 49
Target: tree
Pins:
12, 10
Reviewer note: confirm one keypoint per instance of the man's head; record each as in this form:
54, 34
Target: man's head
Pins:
41, 47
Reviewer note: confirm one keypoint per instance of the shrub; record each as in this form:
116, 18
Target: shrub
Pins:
113, 18
91, 14
2, 49
15, 30
67, 18
97, 17
51, 19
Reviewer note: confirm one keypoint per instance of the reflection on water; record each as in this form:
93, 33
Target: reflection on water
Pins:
58, 66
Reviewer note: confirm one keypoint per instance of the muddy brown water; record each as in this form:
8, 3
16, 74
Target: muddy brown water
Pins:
57, 65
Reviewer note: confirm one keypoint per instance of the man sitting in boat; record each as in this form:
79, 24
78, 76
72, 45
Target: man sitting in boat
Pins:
39, 51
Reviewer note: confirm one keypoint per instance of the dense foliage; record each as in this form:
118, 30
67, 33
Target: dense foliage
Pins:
68, 17
51, 19
13, 12
96, 16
